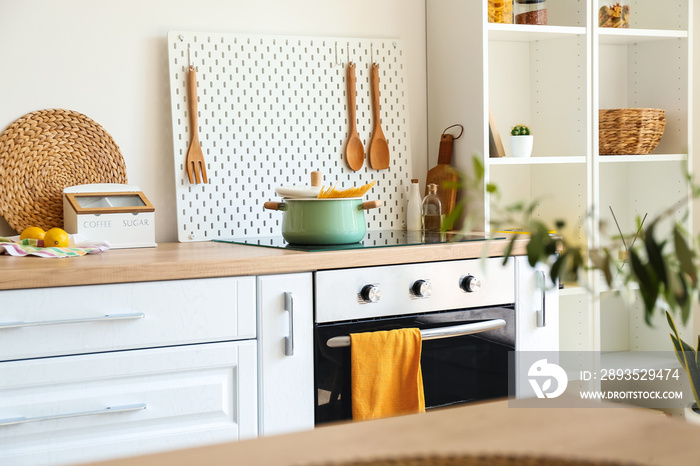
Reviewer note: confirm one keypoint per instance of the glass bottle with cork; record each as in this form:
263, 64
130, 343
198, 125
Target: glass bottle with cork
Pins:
431, 212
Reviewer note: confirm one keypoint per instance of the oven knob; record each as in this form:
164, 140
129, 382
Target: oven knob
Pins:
370, 293
470, 284
422, 288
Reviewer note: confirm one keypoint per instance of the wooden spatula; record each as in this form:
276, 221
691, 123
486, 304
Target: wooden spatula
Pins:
443, 173
354, 150
378, 147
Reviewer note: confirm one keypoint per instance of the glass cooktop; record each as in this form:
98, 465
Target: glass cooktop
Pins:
373, 239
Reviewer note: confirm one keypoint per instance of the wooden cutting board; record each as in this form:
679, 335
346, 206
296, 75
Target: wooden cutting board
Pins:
443, 172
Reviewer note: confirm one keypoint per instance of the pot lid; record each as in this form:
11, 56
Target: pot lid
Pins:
300, 191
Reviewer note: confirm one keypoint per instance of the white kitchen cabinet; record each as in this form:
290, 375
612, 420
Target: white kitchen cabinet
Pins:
285, 339
537, 308
537, 317
179, 370
87, 319
97, 406
555, 78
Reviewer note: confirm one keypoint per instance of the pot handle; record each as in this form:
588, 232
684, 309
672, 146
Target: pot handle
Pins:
371, 204
271, 205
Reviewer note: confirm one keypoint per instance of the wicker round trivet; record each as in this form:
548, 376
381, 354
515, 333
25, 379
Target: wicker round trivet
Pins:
46, 151
479, 460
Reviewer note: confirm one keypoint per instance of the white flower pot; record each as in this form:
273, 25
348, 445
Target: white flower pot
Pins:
521, 146
692, 413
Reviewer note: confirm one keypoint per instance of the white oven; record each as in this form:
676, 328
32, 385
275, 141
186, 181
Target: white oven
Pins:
468, 312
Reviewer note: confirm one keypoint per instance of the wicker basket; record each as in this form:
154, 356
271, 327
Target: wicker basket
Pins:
627, 131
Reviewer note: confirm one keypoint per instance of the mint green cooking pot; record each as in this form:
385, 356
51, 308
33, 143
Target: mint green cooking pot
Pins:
323, 221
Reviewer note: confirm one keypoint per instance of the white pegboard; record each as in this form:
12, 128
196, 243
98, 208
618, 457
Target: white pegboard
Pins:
271, 110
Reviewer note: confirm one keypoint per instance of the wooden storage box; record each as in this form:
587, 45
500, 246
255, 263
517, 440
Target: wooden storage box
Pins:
118, 213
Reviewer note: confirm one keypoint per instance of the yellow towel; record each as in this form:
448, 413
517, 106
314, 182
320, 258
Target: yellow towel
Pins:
386, 374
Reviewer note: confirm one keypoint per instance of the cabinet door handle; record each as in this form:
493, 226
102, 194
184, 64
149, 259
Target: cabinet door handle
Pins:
541, 316
289, 340
107, 410
106, 318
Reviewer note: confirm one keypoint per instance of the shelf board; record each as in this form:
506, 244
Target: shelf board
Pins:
573, 290
531, 33
643, 158
622, 36
640, 360
580, 159
537, 160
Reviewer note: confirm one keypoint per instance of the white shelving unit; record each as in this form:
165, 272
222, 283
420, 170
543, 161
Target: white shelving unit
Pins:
555, 78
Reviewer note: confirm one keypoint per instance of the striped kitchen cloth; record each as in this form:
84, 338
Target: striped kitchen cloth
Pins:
78, 246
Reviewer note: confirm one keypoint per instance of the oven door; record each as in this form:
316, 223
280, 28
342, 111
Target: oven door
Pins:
464, 357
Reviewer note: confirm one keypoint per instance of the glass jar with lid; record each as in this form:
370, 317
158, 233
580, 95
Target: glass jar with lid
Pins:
613, 14
530, 12
501, 11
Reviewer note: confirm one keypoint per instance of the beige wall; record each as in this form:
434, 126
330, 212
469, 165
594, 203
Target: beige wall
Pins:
108, 60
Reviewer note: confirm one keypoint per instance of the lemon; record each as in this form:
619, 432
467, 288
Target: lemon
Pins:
56, 238
32, 233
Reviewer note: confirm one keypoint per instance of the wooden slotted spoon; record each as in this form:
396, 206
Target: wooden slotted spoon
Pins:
194, 162
378, 147
354, 150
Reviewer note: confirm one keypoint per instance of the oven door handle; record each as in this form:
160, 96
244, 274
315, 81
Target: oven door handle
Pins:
435, 333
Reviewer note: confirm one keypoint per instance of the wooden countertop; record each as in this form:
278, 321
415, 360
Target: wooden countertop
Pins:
591, 432
170, 261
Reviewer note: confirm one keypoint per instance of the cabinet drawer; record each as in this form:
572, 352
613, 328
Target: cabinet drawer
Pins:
95, 318
91, 407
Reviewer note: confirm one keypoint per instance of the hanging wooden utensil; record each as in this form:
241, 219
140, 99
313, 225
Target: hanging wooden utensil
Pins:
443, 175
378, 147
354, 150
195, 165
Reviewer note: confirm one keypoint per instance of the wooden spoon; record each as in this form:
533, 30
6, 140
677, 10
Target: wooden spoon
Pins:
378, 147
354, 150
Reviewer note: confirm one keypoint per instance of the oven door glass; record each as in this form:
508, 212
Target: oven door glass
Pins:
455, 369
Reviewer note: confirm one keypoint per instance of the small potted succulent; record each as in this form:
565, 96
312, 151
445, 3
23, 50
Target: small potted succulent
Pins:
521, 141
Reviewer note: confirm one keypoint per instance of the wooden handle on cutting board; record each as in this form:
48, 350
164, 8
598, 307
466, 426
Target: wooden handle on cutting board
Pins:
445, 151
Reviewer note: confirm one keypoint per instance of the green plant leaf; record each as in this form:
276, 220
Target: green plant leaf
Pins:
654, 254
684, 255
478, 167
508, 250
564, 267
516, 207
683, 298
447, 184
451, 218
686, 356
676, 339
560, 266
648, 285
535, 248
